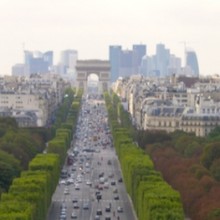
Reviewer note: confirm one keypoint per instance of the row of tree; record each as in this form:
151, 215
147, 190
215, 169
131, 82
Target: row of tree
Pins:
17, 147
152, 197
29, 196
185, 161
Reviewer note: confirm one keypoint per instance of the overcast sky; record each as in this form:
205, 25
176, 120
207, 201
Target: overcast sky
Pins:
90, 26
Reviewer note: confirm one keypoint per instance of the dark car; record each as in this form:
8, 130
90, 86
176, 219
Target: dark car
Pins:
108, 209
99, 212
116, 197
120, 180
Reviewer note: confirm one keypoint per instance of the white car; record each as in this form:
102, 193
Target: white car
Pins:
120, 209
66, 191
77, 187
73, 215
86, 205
88, 182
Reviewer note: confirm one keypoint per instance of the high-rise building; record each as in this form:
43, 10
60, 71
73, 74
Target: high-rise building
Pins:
68, 61
125, 62
18, 69
174, 66
162, 59
192, 62
37, 62
115, 61
48, 57
144, 65
139, 51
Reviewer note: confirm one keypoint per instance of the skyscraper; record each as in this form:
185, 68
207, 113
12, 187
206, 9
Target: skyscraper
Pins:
37, 62
192, 62
48, 57
125, 62
162, 59
115, 61
139, 51
68, 61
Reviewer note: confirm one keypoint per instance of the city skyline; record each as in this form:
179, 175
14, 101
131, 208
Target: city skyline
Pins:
91, 26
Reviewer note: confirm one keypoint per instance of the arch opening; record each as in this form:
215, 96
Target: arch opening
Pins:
93, 83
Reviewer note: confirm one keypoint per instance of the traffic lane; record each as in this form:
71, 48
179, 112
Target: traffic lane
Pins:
108, 199
54, 211
105, 154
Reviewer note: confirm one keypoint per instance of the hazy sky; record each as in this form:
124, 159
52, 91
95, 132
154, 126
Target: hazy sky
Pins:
90, 26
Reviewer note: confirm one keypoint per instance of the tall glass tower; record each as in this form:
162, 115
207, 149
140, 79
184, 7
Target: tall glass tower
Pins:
192, 62
139, 51
115, 61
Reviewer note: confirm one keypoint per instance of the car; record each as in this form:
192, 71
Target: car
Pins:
100, 187
63, 205
99, 212
73, 215
87, 170
107, 218
101, 174
63, 212
70, 181
98, 196
97, 192
113, 183
77, 187
97, 217
79, 180
86, 205
75, 205
101, 180
63, 217
108, 209
120, 180
75, 200
119, 209
115, 190
106, 185
111, 175
88, 182
66, 191
62, 182
116, 197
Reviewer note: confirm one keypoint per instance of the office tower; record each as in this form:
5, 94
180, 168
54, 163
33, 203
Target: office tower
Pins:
192, 62
126, 64
115, 61
162, 59
152, 70
69, 58
28, 56
18, 69
174, 66
139, 50
144, 65
38, 65
68, 61
37, 62
48, 57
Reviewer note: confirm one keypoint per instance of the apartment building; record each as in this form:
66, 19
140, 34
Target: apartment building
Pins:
160, 105
31, 100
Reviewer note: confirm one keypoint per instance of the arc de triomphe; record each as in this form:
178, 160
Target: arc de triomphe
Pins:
99, 67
